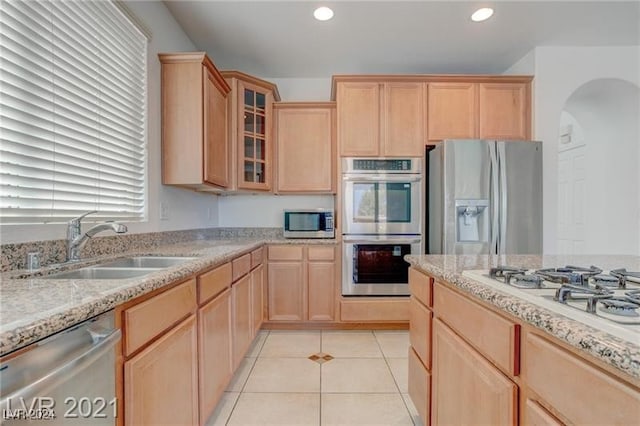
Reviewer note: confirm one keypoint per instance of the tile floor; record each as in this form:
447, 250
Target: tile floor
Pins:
358, 378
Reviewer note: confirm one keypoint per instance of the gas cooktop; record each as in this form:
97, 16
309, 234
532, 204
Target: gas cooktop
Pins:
606, 300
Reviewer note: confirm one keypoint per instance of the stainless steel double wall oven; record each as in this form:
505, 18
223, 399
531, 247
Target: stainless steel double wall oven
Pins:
382, 215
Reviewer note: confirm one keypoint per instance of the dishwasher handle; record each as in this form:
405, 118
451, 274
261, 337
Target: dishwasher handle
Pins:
62, 372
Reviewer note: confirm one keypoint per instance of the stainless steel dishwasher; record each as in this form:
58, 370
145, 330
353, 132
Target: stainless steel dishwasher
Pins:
65, 379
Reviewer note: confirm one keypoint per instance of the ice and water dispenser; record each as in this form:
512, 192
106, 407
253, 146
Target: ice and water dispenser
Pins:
472, 221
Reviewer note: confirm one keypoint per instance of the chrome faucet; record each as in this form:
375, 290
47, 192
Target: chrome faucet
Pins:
76, 239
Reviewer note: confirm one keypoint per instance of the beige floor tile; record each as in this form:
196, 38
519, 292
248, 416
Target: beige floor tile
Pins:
394, 344
240, 377
400, 371
352, 375
276, 409
290, 345
223, 409
412, 410
364, 409
284, 375
256, 345
351, 345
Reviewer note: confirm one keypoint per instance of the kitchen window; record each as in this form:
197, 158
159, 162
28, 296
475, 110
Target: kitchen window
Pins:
73, 101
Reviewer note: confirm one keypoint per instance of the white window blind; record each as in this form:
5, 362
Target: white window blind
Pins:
73, 98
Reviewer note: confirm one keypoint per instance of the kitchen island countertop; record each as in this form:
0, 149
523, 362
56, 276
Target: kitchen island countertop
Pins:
32, 308
620, 354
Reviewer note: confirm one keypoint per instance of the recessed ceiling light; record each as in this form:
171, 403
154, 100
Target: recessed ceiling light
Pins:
323, 13
482, 14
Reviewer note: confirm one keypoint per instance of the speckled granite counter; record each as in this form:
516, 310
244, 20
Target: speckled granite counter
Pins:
623, 355
32, 308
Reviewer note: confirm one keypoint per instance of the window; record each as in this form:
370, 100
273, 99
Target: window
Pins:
73, 93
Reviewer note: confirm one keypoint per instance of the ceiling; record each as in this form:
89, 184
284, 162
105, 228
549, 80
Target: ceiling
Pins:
281, 39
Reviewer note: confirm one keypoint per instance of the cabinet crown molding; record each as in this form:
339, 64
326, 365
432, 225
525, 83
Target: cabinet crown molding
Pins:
200, 57
426, 78
253, 80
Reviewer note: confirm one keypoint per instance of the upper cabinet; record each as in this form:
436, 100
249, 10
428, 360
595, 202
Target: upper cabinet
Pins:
452, 109
305, 147
504, 111
377, 118
498, 108
194, 122
251, 109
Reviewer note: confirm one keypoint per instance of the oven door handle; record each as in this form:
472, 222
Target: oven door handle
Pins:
381, 242
377, 178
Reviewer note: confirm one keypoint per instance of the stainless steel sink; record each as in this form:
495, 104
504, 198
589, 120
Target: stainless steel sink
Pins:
145, 262
96, 273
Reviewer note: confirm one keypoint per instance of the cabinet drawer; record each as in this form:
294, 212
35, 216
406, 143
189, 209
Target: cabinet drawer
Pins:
494, 336
285, 253
569, 384
420, 330
241, 266
374, 310
419, 385
321, 253
420, 286
213, 282
256, 257
150, 318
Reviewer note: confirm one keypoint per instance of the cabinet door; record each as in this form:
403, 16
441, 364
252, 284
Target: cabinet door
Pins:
286, 291
241, 318
358, 106
305, 147
321, 294
504, 111
452, 109
535, 415
216, 151
420, 330
419, 384
163, 377
254, 142
403, 120
257, 278
468, 389
214, 334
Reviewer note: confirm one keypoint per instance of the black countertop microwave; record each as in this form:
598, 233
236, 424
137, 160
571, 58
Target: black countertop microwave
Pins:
309, 223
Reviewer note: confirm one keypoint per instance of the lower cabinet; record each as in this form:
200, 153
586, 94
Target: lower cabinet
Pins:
161, 382
301, 283
257, 298
468, 389
419, 386
214, 337
241, 318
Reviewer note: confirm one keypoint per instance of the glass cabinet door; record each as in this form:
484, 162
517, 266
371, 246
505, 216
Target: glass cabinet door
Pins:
254, 146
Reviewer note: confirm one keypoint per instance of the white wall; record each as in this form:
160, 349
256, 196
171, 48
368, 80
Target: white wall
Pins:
266, 210
559, 71
186, 209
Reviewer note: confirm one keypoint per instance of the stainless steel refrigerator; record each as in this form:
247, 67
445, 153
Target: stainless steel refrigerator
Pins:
484, 197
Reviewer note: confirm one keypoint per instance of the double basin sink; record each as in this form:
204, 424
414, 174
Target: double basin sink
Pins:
128, 267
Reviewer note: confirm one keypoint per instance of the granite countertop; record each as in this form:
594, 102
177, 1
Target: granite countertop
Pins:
33, 308
621, 354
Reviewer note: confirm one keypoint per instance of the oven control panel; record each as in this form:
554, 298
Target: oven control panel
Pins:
382, 165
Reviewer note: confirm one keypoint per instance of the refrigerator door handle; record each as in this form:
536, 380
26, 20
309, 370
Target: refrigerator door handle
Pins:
495, 195
502, 164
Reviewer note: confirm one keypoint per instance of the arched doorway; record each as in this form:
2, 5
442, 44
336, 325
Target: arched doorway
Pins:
598, 169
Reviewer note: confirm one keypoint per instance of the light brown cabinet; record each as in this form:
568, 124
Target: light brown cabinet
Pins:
468, 389
162, 377
560, 380
484, 110
504, 111
195, 150
377, 118
452, 110
214, 338
305, 146
241, 318
301, 283
257, 298
251, 109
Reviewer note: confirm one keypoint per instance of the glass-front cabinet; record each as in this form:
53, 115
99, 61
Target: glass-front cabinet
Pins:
252, 107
